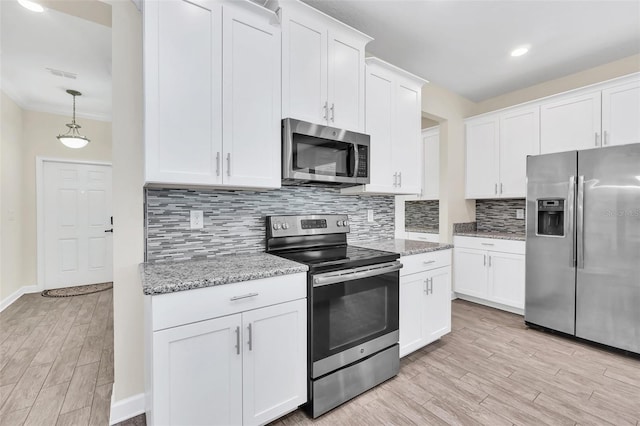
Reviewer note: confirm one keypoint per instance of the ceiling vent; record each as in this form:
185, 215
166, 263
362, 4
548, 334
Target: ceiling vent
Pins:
65, 74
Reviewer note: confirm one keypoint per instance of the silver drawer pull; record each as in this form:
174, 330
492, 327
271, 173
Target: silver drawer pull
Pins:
428, 262
243, 296
487, 244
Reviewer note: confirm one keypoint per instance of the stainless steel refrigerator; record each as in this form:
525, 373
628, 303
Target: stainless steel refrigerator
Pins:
583, 244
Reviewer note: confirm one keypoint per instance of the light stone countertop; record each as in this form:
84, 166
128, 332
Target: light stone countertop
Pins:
421, 230
494, 235
169, 277
403, 247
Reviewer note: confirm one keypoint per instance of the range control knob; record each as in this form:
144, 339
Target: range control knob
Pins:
276, 226
285, 226
345, 223
339, 223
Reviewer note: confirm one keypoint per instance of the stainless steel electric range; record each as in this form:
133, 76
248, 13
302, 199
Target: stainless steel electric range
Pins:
352, 307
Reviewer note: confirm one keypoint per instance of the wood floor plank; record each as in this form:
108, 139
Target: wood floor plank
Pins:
575, 412
14, 418
489, 381
27, 389
81, 388
101, 406
75, 418
63, 366
47, 406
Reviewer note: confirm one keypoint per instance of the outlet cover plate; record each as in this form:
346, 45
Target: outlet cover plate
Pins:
519, 213
196, 219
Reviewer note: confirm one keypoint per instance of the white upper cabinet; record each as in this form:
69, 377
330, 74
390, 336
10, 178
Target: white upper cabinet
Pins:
431, 164
519, 137
620, 114
481, 156
209, 66
323, 70
183, 86
393, 118
570, 123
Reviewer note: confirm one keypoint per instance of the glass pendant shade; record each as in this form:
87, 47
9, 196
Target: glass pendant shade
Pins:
73, 138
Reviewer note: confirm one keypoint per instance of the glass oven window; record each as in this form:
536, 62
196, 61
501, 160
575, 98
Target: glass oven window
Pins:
321, 157
350, 313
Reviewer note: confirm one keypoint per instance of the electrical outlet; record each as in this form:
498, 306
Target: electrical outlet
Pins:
519, 213
369, 215
197, 219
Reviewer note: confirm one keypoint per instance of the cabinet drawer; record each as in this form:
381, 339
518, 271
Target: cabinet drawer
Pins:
492, 244
423, 236
425, 261
184, 307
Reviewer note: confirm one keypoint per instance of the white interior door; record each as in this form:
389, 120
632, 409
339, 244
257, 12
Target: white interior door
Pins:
77, 218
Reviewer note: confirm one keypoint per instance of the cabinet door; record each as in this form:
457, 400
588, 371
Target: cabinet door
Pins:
251, 100
506, 279
183, 125
519, 137
413, 289
470, 272
438, 305
379, 112
482, 158
570, 124
406, 138
275, 361
304, 69
620, 112
197, 373
346, 81
431, 164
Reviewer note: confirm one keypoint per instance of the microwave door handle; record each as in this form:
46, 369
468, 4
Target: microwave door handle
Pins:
354, 160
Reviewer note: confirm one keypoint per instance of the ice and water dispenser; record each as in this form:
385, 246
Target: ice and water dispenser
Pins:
551, 217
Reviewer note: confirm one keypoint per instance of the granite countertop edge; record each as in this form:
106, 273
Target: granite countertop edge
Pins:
403, 247
494, 235
421, 230
175, 276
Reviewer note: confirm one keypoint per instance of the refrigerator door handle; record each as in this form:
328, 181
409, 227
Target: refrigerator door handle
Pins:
580, 222
571, 201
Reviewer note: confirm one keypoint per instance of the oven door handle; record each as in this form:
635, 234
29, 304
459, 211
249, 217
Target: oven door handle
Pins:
355, 273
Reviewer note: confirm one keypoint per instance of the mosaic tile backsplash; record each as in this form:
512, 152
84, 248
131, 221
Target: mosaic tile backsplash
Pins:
234, 221
422, 214
500, 216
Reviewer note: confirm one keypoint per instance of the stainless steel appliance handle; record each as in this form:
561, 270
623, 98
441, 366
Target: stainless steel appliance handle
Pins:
355, 273
229, 164
250, 338
244, 296
238, 340
218, 163
580, 222
355, 160
571, 201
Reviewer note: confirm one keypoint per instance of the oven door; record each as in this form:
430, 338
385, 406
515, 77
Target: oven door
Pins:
354, 315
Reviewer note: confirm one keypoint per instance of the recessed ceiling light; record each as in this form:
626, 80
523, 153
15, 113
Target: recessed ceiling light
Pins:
31, 5
519, 51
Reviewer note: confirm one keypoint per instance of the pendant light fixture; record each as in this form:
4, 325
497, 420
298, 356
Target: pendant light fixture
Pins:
73, 138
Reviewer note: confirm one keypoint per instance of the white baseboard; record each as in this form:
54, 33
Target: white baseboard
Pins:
16, 295
490, 304
126, 408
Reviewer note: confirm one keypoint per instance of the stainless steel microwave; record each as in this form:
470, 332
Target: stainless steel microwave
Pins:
316, 154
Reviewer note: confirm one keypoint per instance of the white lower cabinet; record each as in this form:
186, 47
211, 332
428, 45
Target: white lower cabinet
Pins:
425, 299
243, 368
490, 271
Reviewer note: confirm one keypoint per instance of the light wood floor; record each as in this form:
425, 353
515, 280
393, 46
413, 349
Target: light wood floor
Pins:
492, 370
56, 360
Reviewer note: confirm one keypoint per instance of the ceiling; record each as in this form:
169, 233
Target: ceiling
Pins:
33, 42
464, 46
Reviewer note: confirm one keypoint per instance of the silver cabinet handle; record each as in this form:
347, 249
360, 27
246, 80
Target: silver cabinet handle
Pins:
218, 163
245, 296
487, 244
333, 112
495, 189
580, 222
500, 188
250, 338
431, 285
429, 262
228, 164
426, 286
597, 139
238, 340
484, 256
489, 261
395, 179
605, 137
400, 179
571, 199
326, 111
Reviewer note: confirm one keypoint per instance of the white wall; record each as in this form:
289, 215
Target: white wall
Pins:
11, 223
39, 140
128, 248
